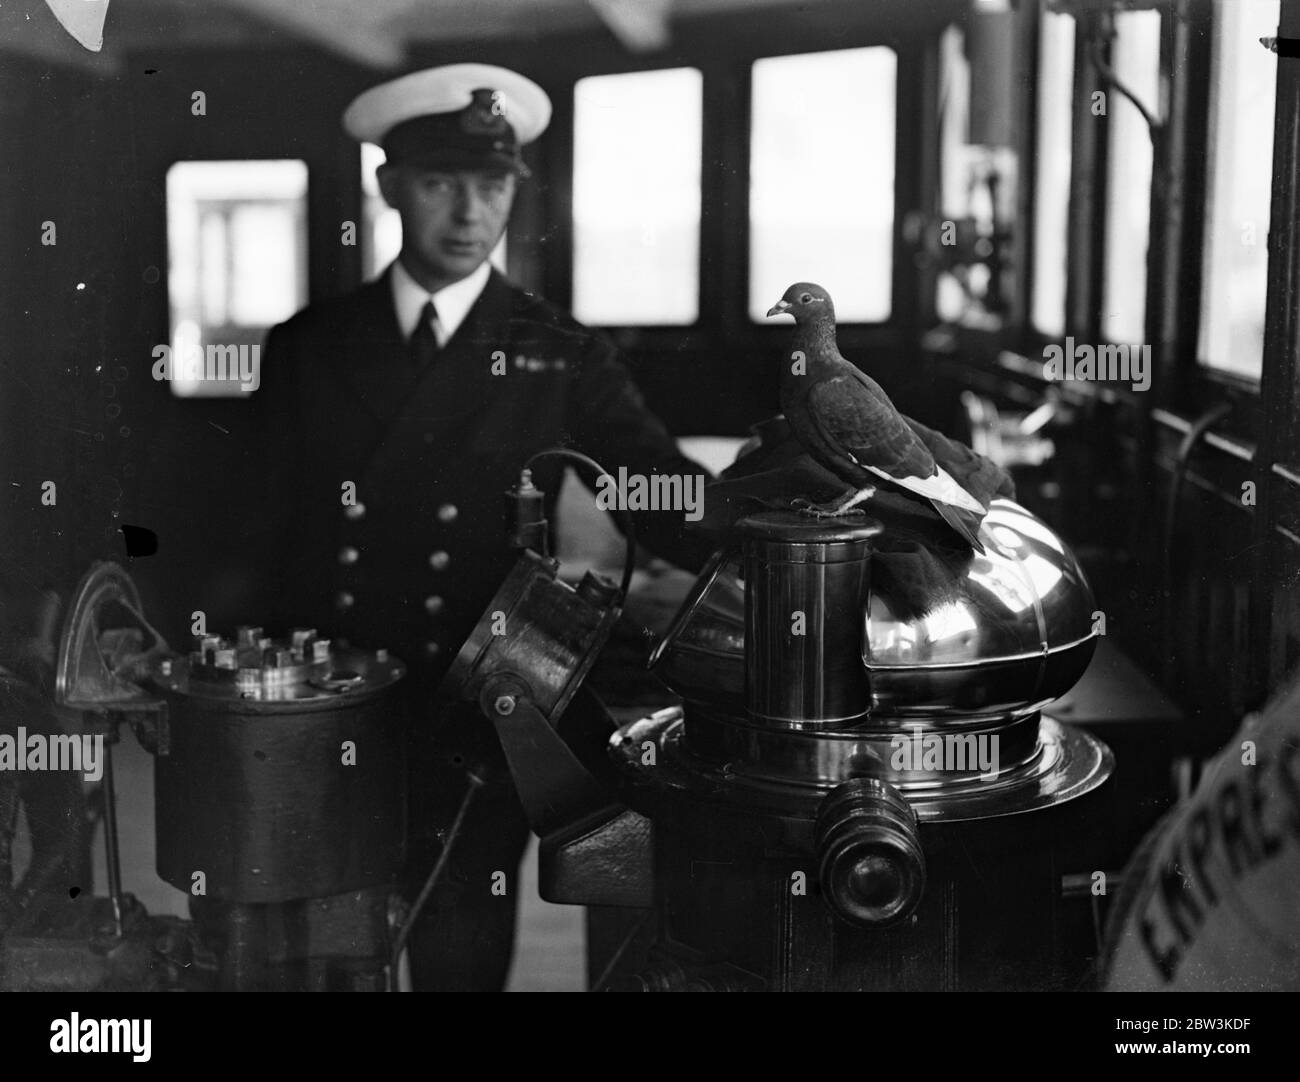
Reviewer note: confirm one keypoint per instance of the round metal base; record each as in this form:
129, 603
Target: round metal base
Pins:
1047, 764
345, 674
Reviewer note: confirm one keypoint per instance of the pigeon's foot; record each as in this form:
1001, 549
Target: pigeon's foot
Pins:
846, 506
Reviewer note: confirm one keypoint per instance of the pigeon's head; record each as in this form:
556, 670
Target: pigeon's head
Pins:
806, 302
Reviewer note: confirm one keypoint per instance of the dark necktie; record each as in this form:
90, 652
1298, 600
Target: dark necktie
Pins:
424, 343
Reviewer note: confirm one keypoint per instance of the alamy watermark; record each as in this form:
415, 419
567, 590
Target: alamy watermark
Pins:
212, 362
58, 751
77, 1034
657, 492
1085, 362
947, 752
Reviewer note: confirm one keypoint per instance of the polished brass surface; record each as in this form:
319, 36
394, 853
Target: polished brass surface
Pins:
1066, 763
806, 583
1012, 632
1005, 632
896, 753
702, 655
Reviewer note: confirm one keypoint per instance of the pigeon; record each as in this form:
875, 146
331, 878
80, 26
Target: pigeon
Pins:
846, 422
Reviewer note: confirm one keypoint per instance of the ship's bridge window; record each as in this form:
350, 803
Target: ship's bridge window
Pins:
1136, 63
977, 185
955, 164
637, 142
381, 226
1243, 89
821, 195
1052, 180
237, 264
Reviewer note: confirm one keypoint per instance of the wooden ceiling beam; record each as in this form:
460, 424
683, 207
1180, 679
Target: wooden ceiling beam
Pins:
641, 25
30, 28
340, 29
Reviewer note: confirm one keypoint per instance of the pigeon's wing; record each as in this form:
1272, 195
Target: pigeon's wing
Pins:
865, 427
863, 424
980, 476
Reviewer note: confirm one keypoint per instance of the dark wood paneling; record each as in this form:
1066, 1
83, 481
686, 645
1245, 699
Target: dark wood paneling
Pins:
80, 319
60, 308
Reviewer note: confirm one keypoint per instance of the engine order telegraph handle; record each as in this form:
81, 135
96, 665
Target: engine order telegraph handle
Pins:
556, 790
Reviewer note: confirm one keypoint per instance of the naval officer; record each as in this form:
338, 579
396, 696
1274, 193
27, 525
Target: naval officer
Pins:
401, 413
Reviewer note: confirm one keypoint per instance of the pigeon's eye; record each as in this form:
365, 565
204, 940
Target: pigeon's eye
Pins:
804, 298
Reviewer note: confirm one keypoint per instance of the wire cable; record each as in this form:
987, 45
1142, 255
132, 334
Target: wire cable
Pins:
1154, 124
602, 982
399, 944
623, 516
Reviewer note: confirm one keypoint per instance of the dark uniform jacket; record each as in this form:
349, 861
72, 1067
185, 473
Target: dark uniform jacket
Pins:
382, 523
412, 563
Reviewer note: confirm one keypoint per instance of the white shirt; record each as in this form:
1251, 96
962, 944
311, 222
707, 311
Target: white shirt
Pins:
453, 302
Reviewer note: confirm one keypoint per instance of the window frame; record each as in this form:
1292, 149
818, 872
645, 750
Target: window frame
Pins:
1223, 376
724, 225
1181, 385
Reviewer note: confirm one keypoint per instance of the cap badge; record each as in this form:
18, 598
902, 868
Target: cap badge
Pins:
485, 114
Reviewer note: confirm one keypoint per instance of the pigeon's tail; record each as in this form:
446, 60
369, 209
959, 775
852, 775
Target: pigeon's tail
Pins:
966, 523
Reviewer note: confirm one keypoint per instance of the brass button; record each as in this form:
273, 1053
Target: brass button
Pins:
349, 555
432, 648
355, 511
439, 560
448, 513
433, 605
344, 600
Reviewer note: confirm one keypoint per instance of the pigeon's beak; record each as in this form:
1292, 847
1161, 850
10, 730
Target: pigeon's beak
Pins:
779, 308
